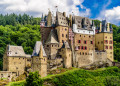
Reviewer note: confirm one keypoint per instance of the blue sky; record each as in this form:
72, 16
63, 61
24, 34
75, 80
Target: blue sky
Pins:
95, 9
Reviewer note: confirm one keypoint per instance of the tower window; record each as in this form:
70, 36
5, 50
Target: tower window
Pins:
66, 35
62, 35
91, 42
110, 42
82, 47
110, 47
85, 42
106, 47
79, 41
78, 47
106, 41
47, 45
85, 48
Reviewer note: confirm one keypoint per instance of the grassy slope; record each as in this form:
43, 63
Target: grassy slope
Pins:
101, 77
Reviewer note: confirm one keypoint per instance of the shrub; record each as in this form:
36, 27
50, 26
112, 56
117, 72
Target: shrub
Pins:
34, 79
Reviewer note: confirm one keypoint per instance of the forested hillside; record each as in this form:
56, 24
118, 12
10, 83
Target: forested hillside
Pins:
21, 30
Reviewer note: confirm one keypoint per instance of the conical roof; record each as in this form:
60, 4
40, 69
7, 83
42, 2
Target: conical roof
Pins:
52, 38
37, 49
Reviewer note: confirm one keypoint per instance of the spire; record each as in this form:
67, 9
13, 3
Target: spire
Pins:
41, 52
42, 19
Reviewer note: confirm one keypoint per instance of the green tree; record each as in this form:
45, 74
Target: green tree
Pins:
34, 79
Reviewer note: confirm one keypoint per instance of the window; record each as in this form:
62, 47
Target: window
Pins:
110, 52
66, 35
65, 29
85, 48
47, 45
78, 47
79, 41
98, 42
52, 45
110, 47
80, 53
85, 42
89, 36
62, 41
110, 42
106, 37
82, 47
106, 47
106, 41
80, 35
83, 53
62, 35
110, 37
91, 42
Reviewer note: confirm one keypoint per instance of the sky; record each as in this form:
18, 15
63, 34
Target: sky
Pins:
94, 9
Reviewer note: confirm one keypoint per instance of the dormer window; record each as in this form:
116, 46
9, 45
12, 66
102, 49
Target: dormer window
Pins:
15, 52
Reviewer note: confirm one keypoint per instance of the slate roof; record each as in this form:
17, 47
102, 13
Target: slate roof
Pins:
52, 38
15, 51
37, 49
83, 22
61, 19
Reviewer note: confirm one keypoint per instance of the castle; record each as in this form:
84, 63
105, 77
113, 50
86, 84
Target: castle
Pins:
72, 41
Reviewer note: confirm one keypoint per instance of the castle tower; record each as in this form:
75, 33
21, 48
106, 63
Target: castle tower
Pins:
62, 28
66, 54
52, 45
49, 19
104, 40
39, 59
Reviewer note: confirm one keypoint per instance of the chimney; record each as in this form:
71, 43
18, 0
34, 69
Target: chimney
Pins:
70, 17
100, 27
108, 27
64, 14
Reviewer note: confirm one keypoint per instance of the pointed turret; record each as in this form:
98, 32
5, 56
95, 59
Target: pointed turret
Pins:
42, 19
49, 19
52, 38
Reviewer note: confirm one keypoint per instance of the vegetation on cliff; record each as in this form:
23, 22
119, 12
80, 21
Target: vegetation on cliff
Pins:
79, 77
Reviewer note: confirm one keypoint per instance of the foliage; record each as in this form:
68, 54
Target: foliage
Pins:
103, 77
13, 19
20, 35
79, 77
34, 79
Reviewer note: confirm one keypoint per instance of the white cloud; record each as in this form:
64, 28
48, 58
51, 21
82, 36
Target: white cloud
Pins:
37, 7
113, 15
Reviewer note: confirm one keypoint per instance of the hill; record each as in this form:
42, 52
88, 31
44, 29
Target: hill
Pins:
79, 77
